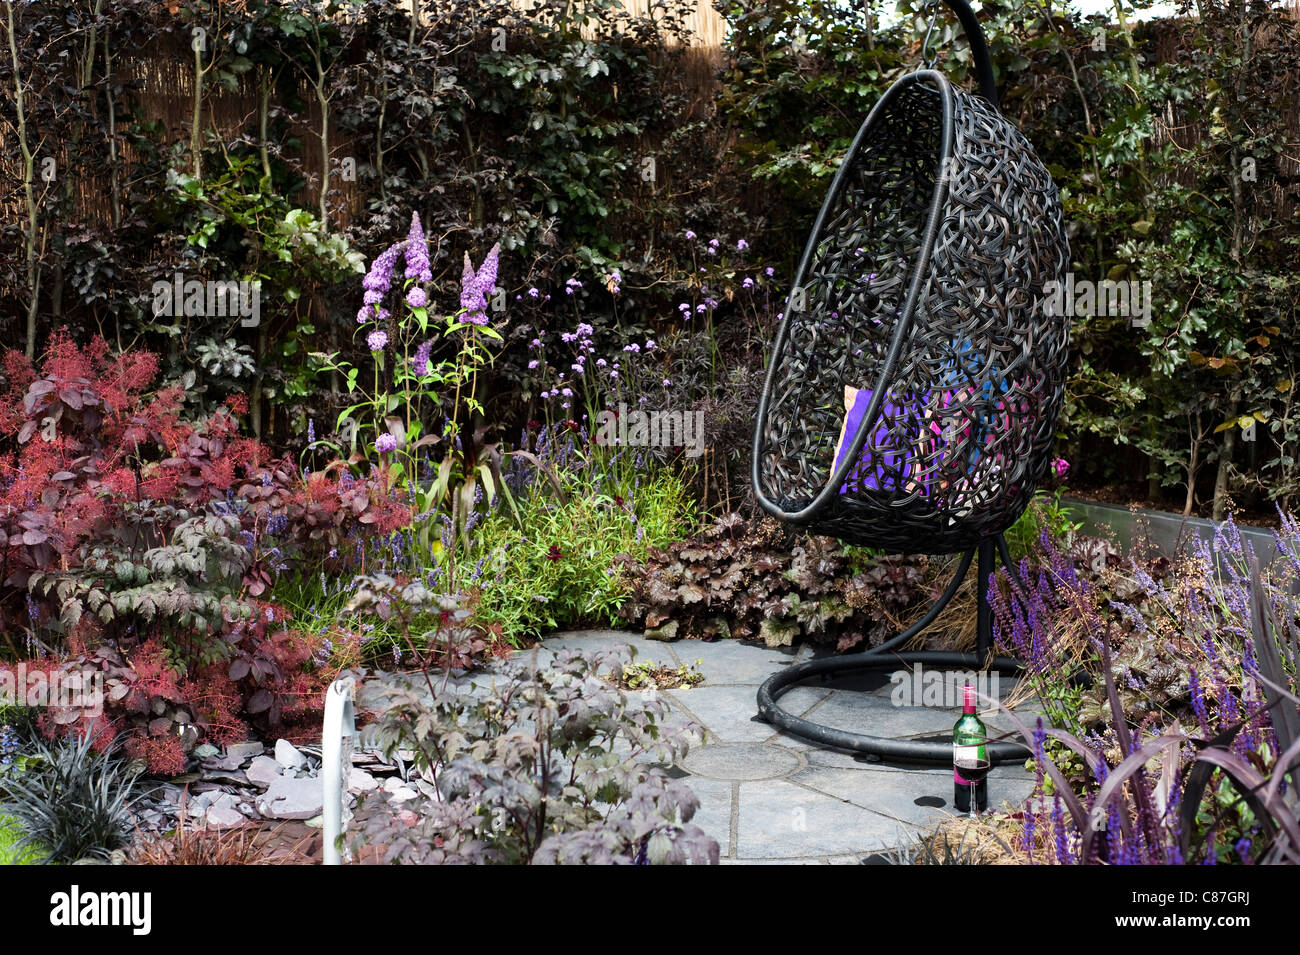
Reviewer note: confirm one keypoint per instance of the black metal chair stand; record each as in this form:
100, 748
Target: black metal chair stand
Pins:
917, 375
884, 657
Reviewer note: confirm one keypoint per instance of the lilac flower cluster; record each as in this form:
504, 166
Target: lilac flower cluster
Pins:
476, 287
420, 363
378, 282
417, 253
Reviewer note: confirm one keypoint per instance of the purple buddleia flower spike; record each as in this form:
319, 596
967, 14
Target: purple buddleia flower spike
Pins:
420, 363
476, 287
417, 252
380, 277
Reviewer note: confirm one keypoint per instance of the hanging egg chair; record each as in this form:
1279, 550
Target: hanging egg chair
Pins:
916, 377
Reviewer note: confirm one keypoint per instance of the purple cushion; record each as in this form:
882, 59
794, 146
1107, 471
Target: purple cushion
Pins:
880, 462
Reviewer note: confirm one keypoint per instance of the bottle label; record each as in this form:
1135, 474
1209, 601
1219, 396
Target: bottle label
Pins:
960, 753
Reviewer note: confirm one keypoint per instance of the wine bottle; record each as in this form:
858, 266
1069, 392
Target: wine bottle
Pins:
970, 761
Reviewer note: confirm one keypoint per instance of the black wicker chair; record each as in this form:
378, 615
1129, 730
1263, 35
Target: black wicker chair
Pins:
916, 376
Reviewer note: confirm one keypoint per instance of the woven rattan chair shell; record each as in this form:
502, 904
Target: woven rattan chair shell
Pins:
924, 281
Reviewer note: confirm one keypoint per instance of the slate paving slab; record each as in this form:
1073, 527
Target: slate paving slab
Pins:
715, 812
771, 798
780, 820
734, 661
728, 712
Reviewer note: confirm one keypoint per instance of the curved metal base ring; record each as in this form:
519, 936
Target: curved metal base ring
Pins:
918, 750
881, 658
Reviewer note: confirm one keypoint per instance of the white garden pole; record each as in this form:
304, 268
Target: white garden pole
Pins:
339, 734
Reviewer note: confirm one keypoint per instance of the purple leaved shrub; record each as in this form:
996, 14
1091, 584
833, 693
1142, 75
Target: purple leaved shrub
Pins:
554, 765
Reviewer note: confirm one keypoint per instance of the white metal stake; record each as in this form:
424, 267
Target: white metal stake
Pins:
339, 734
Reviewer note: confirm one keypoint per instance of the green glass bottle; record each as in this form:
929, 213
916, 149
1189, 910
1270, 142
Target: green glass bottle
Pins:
970, 759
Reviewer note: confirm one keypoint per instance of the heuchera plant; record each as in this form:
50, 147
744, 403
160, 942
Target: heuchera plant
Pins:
741, 580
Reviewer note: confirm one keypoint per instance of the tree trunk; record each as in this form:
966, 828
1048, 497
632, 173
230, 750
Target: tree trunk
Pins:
255, 398
1193, 466
196, 117
1229, 445
29, 191
114, 184
263, 113
324, 152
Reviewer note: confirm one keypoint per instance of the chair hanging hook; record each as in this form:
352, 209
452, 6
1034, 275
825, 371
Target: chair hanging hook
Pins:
928, 61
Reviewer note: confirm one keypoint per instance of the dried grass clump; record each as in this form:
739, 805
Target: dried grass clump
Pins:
990, 839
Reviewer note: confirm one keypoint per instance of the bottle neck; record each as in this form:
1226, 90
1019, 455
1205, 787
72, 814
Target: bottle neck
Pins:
968, 700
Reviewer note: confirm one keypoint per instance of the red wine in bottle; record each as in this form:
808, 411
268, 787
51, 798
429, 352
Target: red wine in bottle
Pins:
970, 760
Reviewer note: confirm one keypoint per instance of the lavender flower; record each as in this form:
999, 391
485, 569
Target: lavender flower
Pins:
386, 443
417, 297
377, 340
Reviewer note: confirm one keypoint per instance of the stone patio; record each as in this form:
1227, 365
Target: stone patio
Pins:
772, 798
